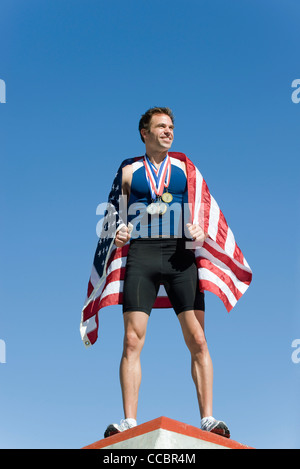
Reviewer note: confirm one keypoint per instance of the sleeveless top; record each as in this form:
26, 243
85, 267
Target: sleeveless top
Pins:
170, 223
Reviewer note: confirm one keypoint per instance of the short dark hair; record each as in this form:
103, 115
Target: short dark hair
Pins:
146, 118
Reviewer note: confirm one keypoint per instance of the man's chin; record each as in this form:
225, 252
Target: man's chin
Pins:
166, 146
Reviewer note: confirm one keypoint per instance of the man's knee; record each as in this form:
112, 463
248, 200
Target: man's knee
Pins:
196, 343
133, 343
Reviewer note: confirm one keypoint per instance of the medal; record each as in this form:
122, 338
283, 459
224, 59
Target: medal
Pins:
167, 197
162, 208
157, 180
157, 208
152, 209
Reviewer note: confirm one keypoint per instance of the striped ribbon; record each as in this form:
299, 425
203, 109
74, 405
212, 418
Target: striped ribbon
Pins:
157, 178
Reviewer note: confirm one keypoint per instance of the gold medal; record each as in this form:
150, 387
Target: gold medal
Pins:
167, 197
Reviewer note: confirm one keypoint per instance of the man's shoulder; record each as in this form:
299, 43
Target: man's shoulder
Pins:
129, 161
129, 166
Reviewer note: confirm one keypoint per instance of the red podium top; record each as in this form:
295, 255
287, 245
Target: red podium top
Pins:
178, 429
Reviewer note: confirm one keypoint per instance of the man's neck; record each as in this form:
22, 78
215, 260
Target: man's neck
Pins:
156, 157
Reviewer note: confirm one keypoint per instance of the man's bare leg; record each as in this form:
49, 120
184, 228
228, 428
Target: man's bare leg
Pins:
135, 324
192, 324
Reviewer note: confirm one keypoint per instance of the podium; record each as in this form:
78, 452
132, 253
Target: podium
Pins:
165, 433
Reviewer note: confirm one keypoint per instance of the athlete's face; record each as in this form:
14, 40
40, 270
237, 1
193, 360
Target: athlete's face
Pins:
161, 133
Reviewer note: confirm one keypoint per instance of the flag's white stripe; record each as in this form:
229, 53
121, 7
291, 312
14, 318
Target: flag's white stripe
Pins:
116, 264
112, 287
214, 215
205, 274
198, 216
230, 243
241, 286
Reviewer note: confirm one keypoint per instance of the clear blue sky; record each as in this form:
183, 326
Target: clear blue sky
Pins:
79, 74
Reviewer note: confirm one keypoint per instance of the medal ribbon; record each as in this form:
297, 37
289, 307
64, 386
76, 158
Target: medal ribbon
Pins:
157, 178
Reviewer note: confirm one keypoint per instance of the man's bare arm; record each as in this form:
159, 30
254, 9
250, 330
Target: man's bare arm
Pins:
123, 235
126, 180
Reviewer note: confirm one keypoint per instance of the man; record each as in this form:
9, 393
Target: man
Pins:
156, 259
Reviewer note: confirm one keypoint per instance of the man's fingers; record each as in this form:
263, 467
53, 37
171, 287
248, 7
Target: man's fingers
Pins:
123, 232
196, 232
192, 228
122, 236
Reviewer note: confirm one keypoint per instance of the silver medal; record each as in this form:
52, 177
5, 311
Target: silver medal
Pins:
152, 209
162, 208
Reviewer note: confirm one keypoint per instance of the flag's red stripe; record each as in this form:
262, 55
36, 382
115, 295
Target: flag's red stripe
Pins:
222, 231
162, 302
90, 288
205, 207
191, 180
213, 288
207, 264
238, 255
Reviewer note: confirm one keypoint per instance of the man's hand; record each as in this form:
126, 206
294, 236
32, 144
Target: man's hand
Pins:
122, 236
197, 233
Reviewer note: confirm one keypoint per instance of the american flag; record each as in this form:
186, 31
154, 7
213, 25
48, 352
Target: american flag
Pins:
222, 268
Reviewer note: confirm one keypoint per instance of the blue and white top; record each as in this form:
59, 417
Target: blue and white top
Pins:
170, 223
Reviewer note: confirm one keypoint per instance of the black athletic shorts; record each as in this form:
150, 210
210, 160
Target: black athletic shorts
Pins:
152, 262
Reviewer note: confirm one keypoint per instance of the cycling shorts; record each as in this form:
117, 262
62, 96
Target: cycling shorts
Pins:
161, 261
